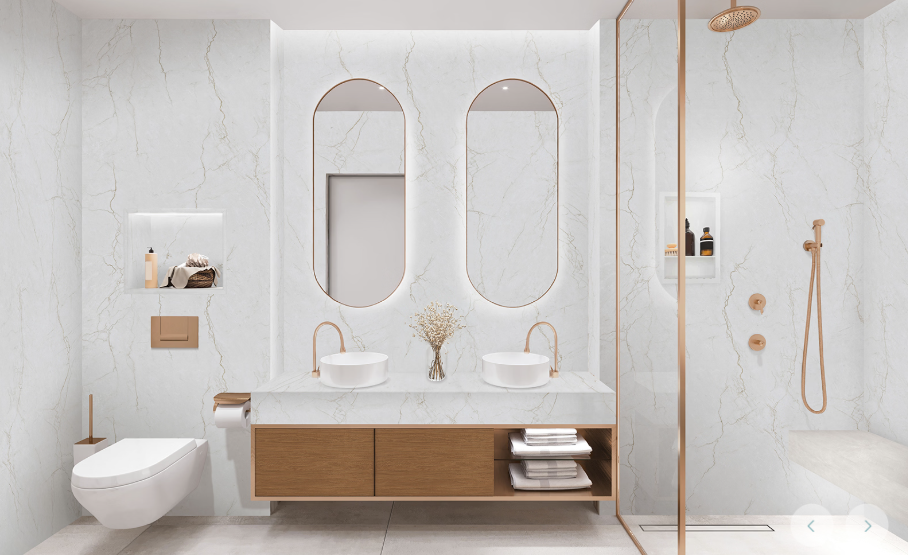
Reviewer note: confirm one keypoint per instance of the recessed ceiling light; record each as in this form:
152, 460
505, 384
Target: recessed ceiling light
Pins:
505, 88
381, 88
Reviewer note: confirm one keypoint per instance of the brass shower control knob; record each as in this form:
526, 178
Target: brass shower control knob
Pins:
757, 342
757, 302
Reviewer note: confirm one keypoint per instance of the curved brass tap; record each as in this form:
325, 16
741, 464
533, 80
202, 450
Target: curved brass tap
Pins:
553, 372
315, 371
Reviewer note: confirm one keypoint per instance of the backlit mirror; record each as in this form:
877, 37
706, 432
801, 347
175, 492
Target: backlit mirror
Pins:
358, 193
512, 193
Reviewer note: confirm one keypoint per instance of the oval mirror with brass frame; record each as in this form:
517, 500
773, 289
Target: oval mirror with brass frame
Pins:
359, 193
512, 193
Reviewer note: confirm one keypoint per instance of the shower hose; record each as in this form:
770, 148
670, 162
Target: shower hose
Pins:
814, 273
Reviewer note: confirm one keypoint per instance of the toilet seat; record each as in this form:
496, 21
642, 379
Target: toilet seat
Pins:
129, 460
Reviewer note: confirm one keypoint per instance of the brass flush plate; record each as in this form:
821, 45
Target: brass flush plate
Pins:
174, 332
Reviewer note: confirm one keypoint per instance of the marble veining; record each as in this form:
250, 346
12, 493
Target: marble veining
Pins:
40, 300
175, 114
435, 76
409, 398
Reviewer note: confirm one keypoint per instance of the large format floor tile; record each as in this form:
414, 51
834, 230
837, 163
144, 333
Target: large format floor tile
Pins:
258, 538
87, 538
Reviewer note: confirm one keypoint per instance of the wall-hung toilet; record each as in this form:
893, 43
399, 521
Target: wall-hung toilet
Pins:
137, 480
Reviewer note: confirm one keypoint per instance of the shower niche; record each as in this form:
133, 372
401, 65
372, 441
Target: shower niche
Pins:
702, 211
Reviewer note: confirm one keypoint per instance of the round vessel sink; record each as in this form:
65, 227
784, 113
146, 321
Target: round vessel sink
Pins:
349, 370
515, 370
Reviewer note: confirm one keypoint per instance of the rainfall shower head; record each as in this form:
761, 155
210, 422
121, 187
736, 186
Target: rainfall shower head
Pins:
734, 18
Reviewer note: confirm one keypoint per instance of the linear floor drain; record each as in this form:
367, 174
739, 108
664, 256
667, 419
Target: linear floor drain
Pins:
708, 528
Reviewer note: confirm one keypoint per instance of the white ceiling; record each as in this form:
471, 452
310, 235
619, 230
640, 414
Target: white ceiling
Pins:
451, 14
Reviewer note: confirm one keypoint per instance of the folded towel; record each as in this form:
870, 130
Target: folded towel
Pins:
551, 475
553, 440
551, 464
521, 449
569, 471
196, 260
534, 432
520, 481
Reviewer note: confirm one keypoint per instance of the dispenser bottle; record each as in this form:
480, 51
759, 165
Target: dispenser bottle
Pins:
151, 269
690, 240
706, 243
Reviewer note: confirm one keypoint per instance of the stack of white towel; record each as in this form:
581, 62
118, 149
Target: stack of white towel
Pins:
546, 464
551, 446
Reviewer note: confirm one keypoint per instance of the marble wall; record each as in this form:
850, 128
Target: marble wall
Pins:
40, 224
435, 76
41, 231
885, 229
512, 199
176, 115
774, 125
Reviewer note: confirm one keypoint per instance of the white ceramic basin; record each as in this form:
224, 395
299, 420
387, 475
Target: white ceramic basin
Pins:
515, 370
350, 370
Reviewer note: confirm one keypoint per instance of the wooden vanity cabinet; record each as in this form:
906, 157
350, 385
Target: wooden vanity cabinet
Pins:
313, 462
434, 462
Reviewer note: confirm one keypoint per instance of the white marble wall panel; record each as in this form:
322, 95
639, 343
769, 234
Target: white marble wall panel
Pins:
349, 143
512, 199
603, 317
176, 115
40, 230
277, 200
435, 76
774, 125
885, 225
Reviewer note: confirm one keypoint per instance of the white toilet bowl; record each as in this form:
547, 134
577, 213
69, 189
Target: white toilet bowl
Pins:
137, 480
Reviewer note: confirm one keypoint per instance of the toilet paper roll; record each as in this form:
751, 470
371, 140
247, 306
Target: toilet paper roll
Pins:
232, 416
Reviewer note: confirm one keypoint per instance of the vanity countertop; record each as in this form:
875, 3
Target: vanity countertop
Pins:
410, 398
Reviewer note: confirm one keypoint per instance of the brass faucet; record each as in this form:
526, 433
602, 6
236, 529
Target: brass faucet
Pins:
553, 372
315, 371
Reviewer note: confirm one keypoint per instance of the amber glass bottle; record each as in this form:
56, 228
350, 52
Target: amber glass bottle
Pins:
706, 243
690, 240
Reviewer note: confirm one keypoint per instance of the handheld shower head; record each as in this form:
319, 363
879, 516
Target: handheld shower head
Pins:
734, 18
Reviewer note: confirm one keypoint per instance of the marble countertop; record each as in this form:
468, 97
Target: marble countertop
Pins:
414, 382
574, 398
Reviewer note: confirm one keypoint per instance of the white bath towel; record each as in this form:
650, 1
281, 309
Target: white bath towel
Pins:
544, 473
520, 481
550, 464
544, 432
521, 449
551, 475
552, 440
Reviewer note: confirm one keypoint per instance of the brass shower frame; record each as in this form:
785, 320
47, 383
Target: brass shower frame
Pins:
682, 293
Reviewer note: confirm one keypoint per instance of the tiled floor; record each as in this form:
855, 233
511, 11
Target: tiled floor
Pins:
491, 528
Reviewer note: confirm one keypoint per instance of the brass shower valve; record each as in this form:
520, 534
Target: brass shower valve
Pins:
757, 302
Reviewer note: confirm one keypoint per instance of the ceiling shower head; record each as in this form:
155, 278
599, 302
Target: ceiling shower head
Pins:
734, 18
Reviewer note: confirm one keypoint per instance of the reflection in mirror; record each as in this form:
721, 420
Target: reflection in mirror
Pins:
512, 193
358, 194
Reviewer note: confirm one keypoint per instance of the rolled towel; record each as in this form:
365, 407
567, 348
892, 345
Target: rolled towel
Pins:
521, 449
545, 432
196, 260
520, 481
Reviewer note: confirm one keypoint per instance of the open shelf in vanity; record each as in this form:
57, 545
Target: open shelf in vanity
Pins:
298, 462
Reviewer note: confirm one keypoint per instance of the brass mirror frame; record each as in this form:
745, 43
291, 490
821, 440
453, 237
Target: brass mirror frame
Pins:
403, 273
466, 195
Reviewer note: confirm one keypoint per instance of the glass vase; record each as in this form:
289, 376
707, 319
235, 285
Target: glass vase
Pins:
437, 358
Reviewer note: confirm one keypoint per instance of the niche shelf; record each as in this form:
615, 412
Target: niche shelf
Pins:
702, 210
173, 234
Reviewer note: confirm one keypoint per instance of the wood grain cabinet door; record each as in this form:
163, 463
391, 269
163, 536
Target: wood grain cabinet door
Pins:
314, 462
427, 462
